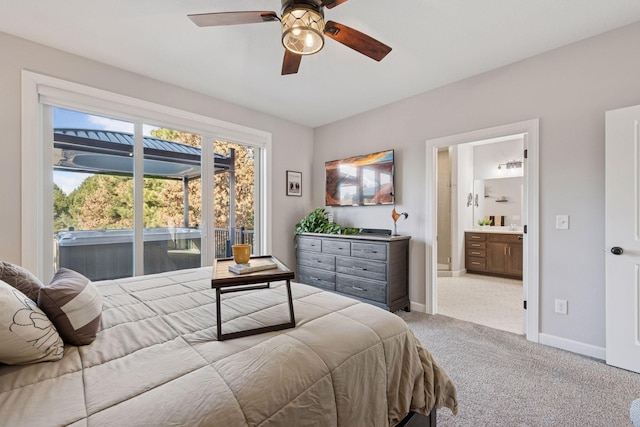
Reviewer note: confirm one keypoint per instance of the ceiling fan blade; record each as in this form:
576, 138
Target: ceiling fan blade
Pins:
232, 18
330, 4
356, 40
291, 62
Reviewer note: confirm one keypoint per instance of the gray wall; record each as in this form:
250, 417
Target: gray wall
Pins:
568, 89
18, 54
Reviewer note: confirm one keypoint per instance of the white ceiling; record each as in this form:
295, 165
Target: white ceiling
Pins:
435, 42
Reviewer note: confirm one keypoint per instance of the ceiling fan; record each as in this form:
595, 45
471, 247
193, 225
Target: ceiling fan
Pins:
303, 30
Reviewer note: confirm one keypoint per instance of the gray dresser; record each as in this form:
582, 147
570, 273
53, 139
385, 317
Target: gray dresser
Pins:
370, 268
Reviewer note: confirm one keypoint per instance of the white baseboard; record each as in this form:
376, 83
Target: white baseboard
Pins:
550, 340
573, 346
420, 308
447, 273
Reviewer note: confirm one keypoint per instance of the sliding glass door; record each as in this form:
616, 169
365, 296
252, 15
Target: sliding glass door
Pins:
101, 232
92, 194
172, 196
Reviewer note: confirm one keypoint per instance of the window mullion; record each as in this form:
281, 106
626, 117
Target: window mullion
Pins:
46, 258
207, 187
138, 200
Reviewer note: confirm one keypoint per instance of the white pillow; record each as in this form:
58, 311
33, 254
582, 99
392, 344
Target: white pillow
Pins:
26, 334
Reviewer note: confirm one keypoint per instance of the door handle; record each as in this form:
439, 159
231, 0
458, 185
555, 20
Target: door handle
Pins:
617, 250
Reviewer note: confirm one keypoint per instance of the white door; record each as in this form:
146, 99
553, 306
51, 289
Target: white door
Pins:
622, 237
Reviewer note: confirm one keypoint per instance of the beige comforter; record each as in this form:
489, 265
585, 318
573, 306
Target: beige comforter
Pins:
156, 362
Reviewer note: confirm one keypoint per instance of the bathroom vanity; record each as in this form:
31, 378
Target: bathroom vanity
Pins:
494, 251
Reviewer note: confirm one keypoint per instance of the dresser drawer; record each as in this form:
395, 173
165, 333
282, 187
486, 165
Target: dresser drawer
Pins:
362, 268
505, 238
479, 253
315, 260
362, 288
377, 251
476, 237
474, 263
319, 278
336, 247
309, 244
476, 245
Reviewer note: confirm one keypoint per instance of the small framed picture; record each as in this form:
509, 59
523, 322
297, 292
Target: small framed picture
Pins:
294, 183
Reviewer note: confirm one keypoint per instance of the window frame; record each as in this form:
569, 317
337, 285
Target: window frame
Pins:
40, 92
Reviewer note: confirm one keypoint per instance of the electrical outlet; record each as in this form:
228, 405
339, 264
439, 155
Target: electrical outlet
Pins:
561, 306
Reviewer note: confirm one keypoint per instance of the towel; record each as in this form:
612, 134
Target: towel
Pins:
496, 220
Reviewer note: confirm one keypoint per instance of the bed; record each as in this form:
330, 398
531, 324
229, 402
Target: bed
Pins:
156, 361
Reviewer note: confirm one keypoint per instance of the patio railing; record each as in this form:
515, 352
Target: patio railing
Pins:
223, 243
108, 254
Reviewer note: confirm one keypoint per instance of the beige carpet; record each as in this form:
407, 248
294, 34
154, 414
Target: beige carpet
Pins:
504, 380
486, 300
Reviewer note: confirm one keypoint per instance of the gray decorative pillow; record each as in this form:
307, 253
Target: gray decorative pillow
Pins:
26, 334
21, 279
74, 305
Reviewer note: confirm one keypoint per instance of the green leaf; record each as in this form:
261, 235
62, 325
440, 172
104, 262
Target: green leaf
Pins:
316, 222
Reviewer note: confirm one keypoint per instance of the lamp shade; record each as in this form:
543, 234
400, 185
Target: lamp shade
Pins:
302, 31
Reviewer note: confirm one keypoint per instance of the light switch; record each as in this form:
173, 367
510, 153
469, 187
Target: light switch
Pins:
562, 222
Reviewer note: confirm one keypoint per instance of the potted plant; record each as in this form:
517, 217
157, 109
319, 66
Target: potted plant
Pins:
484, 223
316, 222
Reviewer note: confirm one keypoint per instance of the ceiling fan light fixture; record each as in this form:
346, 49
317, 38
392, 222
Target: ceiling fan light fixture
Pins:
302, 30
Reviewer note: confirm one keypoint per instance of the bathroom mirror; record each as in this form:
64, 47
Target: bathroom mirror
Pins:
498, 197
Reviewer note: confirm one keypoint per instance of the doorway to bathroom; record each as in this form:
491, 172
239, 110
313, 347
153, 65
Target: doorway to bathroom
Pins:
474, 284
489, 175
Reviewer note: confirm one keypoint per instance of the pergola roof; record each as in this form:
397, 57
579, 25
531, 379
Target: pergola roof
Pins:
109, 152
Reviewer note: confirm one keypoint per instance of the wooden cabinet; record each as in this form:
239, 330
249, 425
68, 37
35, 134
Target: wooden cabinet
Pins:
373, 269
494, 253
476, 252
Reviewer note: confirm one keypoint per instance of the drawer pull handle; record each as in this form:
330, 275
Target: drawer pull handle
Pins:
358, 288
476, 263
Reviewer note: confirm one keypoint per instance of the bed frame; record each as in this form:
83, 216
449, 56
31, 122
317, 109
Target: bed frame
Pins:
419, 420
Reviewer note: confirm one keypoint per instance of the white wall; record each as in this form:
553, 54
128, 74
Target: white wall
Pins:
487, 157
18, 54
509, 189
569, 90
502, 182
464, 214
